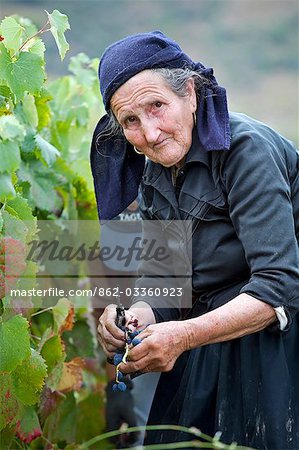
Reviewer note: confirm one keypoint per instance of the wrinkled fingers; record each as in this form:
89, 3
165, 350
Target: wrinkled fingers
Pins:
108, 341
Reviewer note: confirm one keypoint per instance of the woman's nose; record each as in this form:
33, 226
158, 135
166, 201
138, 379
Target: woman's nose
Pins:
150, 130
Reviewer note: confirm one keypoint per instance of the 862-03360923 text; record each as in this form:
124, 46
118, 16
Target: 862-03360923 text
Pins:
101, 292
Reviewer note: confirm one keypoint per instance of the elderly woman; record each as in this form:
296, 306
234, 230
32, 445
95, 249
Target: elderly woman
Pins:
230, 363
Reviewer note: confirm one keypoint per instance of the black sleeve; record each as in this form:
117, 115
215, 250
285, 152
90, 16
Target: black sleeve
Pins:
255, 175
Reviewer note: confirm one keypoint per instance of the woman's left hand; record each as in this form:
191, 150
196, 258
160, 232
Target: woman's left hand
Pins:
161, 344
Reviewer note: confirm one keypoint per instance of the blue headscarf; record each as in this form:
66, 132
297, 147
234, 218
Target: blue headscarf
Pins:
117, 170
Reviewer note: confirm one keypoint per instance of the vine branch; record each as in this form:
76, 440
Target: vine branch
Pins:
43, 29
210, 441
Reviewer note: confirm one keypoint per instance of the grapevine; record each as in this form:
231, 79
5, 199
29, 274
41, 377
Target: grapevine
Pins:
45, 129
131, 339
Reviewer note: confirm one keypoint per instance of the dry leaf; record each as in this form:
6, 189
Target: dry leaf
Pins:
71, 379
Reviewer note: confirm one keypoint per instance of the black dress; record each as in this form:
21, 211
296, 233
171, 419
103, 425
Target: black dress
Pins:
246, 388
244, 206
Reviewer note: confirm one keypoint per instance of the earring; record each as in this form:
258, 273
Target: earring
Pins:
194, 118
137, 151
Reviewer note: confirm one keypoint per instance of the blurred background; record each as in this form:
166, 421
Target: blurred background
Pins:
251, 44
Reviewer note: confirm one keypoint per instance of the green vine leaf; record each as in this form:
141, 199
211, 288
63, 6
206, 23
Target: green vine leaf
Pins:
30, 28
10, 128
53, 352
27, 281
12, 32
7, 190
63, 315
37, 46
30, 111
21, 207
42, 181
33, 369
6, 102
4, 105
28, 428
43, 108
48, 151
10, 156
80, 66
14, 343
79, 341
28, 147
55, 376
25, 73
5, 92
61, 91
59, 24
13, 226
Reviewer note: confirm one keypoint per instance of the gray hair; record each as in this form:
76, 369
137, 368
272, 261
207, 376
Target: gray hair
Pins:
177, 82
177, 79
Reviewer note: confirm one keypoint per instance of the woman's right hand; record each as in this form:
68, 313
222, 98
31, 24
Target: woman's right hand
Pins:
110, 336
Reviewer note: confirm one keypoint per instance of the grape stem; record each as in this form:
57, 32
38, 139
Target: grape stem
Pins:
124, 360
41, 31
42, 311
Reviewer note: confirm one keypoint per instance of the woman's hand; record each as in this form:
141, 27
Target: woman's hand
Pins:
110, 336
161, 344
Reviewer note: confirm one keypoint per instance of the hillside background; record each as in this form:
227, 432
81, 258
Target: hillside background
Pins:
251, 44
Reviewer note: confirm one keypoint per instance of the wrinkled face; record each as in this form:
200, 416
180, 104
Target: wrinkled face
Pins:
154, 119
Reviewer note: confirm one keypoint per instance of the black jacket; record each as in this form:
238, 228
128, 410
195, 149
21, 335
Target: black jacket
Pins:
243, 207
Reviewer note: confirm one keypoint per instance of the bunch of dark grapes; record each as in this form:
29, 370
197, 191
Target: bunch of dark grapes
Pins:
121, 356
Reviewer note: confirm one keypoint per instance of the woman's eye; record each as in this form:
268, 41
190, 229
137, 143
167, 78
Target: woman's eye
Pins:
131, 119
158, 104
